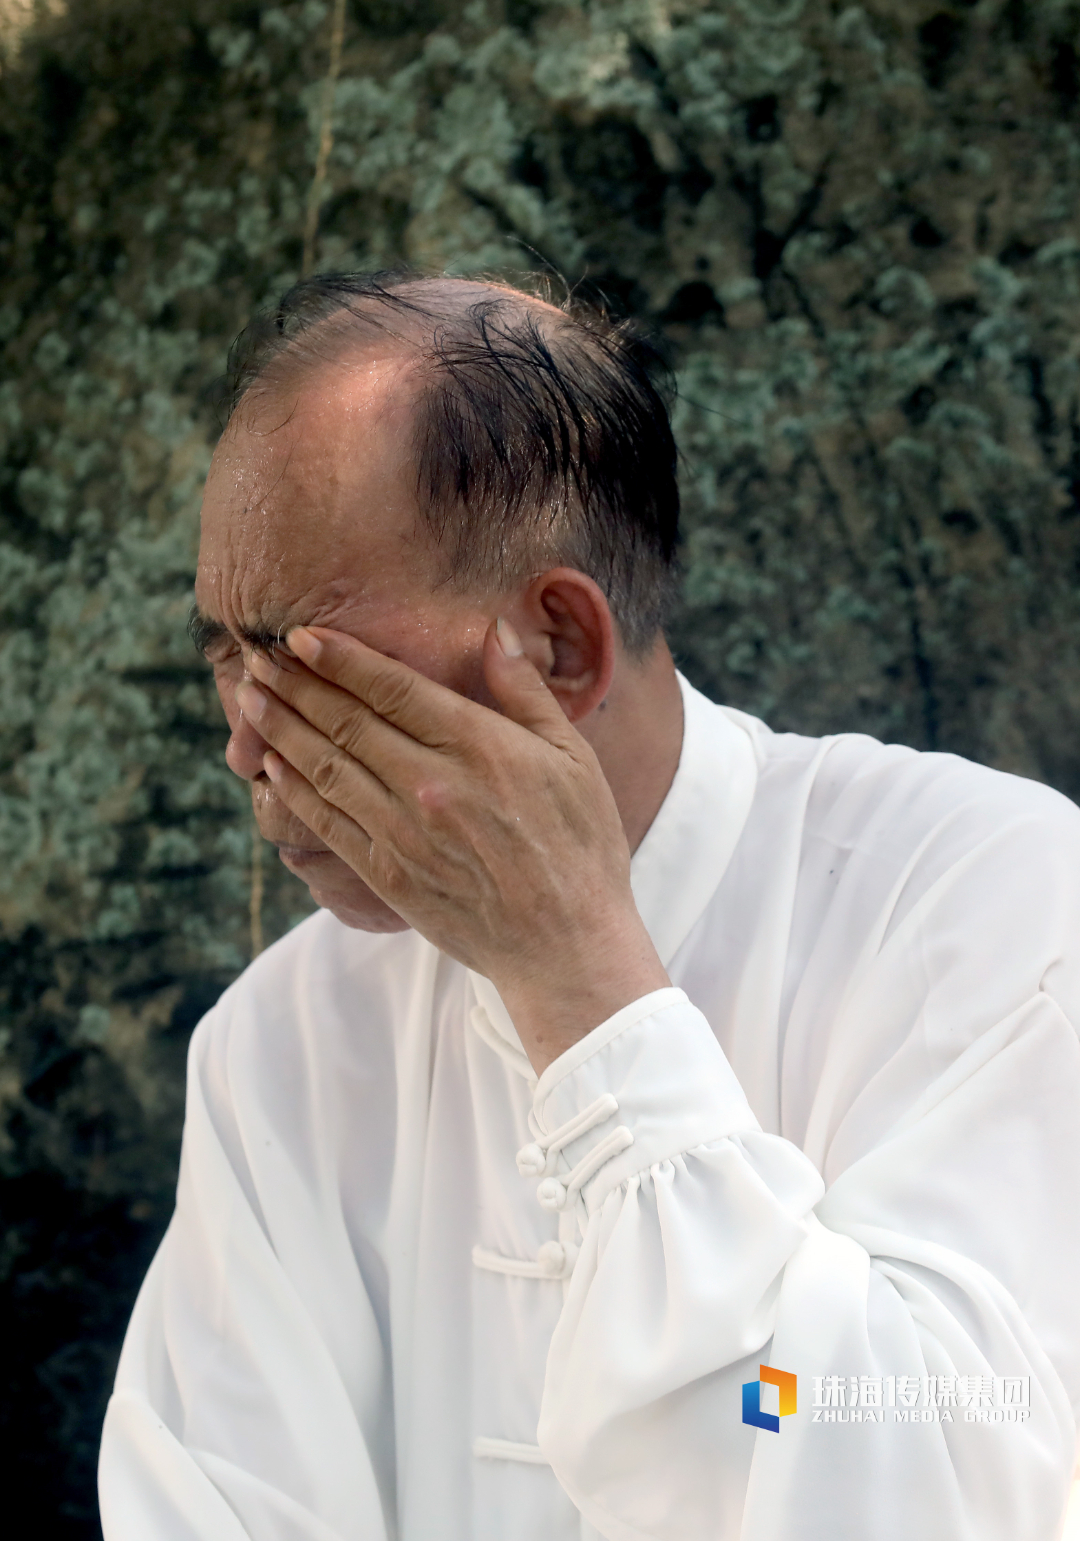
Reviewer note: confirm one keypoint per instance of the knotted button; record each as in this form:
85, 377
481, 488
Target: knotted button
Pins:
551, 1193
552, 1256
557, 1258
531, 1161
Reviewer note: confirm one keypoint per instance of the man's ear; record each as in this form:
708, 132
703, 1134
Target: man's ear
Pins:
566, 629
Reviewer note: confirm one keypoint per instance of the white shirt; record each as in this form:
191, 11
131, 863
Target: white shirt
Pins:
844, 1144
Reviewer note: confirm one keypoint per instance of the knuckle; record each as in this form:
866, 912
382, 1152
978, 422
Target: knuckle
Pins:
344, 725
326, 777
434, 797
390, 694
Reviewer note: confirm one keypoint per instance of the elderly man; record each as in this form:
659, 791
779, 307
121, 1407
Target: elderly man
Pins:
666, 1128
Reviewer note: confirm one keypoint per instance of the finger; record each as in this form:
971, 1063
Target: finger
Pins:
428, 712
519, 688
342, 834
393, 756
329, 770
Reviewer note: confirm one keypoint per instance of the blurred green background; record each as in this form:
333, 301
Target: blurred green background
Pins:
856, 225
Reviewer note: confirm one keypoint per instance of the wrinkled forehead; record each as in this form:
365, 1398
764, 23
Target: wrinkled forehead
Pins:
311, 497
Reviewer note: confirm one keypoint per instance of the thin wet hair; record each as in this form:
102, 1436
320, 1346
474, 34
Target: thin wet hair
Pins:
541, 439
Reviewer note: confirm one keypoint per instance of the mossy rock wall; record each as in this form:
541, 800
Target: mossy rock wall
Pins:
857, 226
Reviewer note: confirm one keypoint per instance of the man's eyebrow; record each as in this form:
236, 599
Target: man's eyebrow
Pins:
204, 631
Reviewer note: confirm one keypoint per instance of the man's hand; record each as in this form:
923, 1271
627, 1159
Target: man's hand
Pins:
495, 836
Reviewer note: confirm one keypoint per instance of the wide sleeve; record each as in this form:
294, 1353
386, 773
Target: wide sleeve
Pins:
245, 1404
914, 1259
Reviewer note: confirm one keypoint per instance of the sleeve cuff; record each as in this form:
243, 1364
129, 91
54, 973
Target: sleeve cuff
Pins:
649, 1083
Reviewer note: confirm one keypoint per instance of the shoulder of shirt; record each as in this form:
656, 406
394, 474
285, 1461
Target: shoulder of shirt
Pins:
852, 774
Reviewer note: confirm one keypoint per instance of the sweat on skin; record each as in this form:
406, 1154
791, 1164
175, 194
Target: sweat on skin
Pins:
310, 518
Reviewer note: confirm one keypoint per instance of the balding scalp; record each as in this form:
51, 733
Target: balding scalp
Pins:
540, 433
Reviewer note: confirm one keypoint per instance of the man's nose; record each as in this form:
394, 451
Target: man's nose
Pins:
245, 750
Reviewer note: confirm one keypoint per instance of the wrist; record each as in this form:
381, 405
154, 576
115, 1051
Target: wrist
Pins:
562, 998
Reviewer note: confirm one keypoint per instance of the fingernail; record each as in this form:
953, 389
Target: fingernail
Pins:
303, 644
272, 764
251, 699
509, 640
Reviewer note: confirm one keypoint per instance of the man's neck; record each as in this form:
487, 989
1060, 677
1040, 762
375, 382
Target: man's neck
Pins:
637, 736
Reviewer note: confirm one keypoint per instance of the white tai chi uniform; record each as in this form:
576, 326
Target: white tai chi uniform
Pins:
412, 1291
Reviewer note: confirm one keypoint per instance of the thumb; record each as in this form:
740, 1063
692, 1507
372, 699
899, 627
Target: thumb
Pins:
519, 687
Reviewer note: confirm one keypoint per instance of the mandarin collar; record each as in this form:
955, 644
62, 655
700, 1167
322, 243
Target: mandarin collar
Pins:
678, 866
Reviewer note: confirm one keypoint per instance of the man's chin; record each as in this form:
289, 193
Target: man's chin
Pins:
334, 886
364, 920
357, 907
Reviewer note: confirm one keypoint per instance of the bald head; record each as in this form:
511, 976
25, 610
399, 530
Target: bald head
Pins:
538, 436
